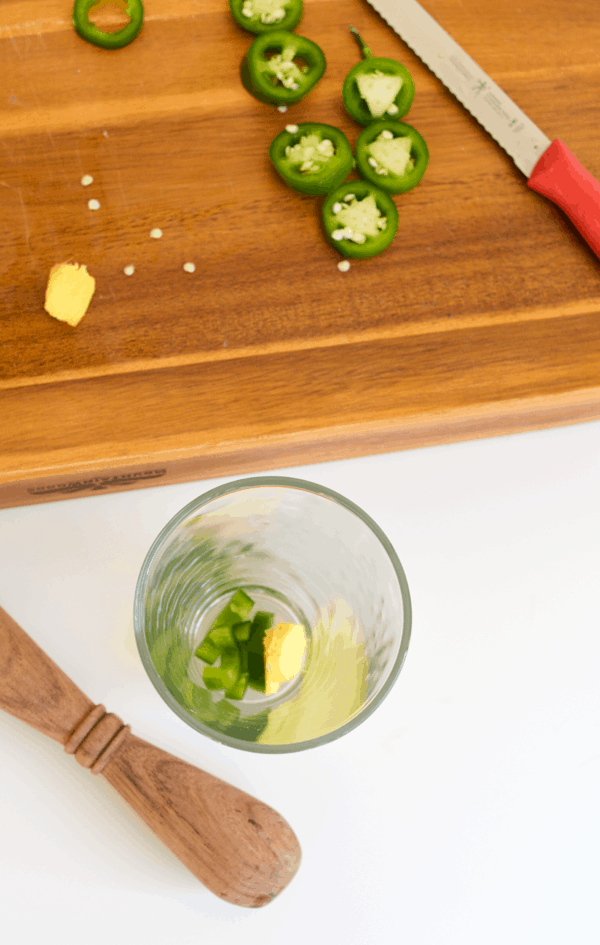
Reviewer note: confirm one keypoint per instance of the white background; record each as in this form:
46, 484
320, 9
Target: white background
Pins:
464, 810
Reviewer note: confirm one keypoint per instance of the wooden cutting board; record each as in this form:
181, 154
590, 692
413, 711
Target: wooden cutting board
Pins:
482, 318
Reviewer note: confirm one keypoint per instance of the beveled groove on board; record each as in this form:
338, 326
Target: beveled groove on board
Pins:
219, 403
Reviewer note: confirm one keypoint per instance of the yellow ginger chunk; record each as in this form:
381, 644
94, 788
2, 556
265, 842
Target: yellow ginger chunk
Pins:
284, 651
69, 292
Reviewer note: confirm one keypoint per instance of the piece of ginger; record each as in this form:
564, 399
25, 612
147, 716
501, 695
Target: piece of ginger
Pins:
69, 292
284, 651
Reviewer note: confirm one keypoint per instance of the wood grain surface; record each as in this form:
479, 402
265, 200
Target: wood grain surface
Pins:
33, 688
239, 847
482, 318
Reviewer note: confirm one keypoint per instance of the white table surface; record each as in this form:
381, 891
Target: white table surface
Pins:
464, 810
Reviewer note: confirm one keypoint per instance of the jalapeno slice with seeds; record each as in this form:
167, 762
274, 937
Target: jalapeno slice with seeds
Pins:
260, 16
314, 159
134, 10
377, 87
392, 155
281, 68
360, 219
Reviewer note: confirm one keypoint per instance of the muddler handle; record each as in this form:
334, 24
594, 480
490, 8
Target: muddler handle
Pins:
240, 848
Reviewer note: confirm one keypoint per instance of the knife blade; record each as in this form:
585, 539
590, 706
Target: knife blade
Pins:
550, 168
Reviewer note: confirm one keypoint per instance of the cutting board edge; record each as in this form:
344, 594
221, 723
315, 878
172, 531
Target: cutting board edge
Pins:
168, 467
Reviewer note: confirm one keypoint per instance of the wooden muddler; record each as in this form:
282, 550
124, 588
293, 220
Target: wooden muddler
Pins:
240, 848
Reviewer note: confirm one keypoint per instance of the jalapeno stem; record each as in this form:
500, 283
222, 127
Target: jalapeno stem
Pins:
363, 46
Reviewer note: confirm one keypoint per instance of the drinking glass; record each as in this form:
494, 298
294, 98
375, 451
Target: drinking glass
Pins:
310, 557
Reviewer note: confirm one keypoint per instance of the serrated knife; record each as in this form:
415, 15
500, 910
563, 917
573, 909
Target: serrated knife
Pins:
550, 168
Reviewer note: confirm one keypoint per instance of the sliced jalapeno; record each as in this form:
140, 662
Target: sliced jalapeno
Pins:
208, 651
314, 159
241, 631
228, 673
255, 649
238, 690
259, 16
281, 68
239, 643
215, 678
392, 155
134, 10
221, 637
238, 607
360, 219
377, 87
221, 634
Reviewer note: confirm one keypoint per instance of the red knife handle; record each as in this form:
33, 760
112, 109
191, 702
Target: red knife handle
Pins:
559, 176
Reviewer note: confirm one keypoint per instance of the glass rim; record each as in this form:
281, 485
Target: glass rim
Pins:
238, 485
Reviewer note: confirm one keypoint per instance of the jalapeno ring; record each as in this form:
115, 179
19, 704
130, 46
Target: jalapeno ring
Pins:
357, 232
395, 168
270, 72
91, 33
314, 159
255, 16
355, 104
386, 82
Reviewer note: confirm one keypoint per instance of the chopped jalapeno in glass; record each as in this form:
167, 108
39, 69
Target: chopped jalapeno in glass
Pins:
238, 690
255, 648
208, 651
220, 633
238, 644
241, 631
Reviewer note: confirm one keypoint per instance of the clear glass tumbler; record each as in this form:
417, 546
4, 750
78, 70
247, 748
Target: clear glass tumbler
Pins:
305, 554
